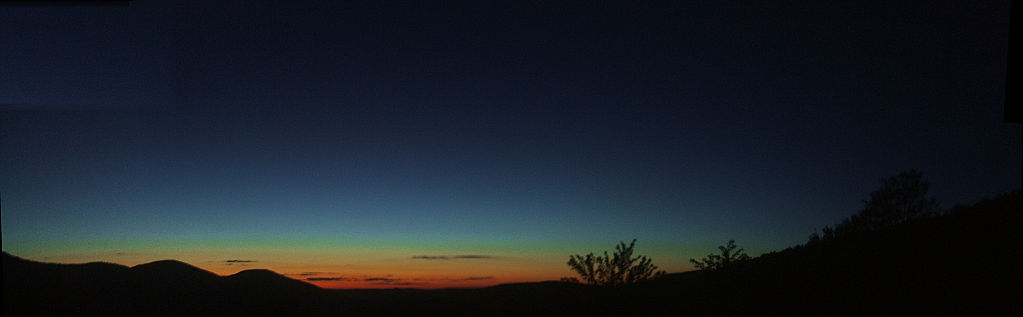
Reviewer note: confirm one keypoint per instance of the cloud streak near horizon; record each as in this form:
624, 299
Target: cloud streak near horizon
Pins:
328, 279
471, 278
454, 257
383, 280
242, 262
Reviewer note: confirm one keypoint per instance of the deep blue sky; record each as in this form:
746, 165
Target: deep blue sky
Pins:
515, 122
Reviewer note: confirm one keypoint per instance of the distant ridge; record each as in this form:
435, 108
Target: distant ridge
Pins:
268, 280
169, 272
162, 287
171, 266
163, 269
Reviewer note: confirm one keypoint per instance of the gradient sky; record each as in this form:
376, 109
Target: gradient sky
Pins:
414, 145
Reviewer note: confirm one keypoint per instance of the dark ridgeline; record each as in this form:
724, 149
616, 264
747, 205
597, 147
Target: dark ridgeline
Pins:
159, 288
962, 262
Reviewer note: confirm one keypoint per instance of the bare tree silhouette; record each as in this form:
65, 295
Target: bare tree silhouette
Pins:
618, 269
729, 256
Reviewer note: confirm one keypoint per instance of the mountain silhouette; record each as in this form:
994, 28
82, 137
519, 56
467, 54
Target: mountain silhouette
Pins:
172, 269
964, 262
263, 277
166, 287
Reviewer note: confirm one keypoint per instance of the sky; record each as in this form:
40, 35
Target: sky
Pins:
410, 144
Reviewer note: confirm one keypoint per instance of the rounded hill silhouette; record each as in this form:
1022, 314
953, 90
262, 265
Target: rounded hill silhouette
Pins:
171, 272
264, 277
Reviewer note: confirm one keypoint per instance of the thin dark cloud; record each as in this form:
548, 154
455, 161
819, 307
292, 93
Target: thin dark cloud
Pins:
391, 281
327, 279
382, 280
454, 257
322, 276
242, 262
431, 257
471, 278
396, 283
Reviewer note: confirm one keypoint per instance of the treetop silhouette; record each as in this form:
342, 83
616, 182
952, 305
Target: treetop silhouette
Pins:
729, 256
900, 198
614, 270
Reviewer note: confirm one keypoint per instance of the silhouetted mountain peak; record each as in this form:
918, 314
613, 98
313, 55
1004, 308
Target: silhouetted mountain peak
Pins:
256, 273
167, 265
172, 270
267, 277
164, 263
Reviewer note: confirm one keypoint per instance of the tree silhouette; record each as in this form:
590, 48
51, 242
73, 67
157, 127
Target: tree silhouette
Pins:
901, 198
729, 256
826, 233
618, 269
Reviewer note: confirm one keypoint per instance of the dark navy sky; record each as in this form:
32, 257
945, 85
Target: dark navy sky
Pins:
532, 122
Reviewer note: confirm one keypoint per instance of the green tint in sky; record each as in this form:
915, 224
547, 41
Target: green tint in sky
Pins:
341, 143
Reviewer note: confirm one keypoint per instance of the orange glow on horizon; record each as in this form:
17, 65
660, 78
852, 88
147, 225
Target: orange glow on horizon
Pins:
382, 270
327, 281
421, 284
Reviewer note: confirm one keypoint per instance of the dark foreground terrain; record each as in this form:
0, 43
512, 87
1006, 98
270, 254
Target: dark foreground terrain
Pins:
965, 262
